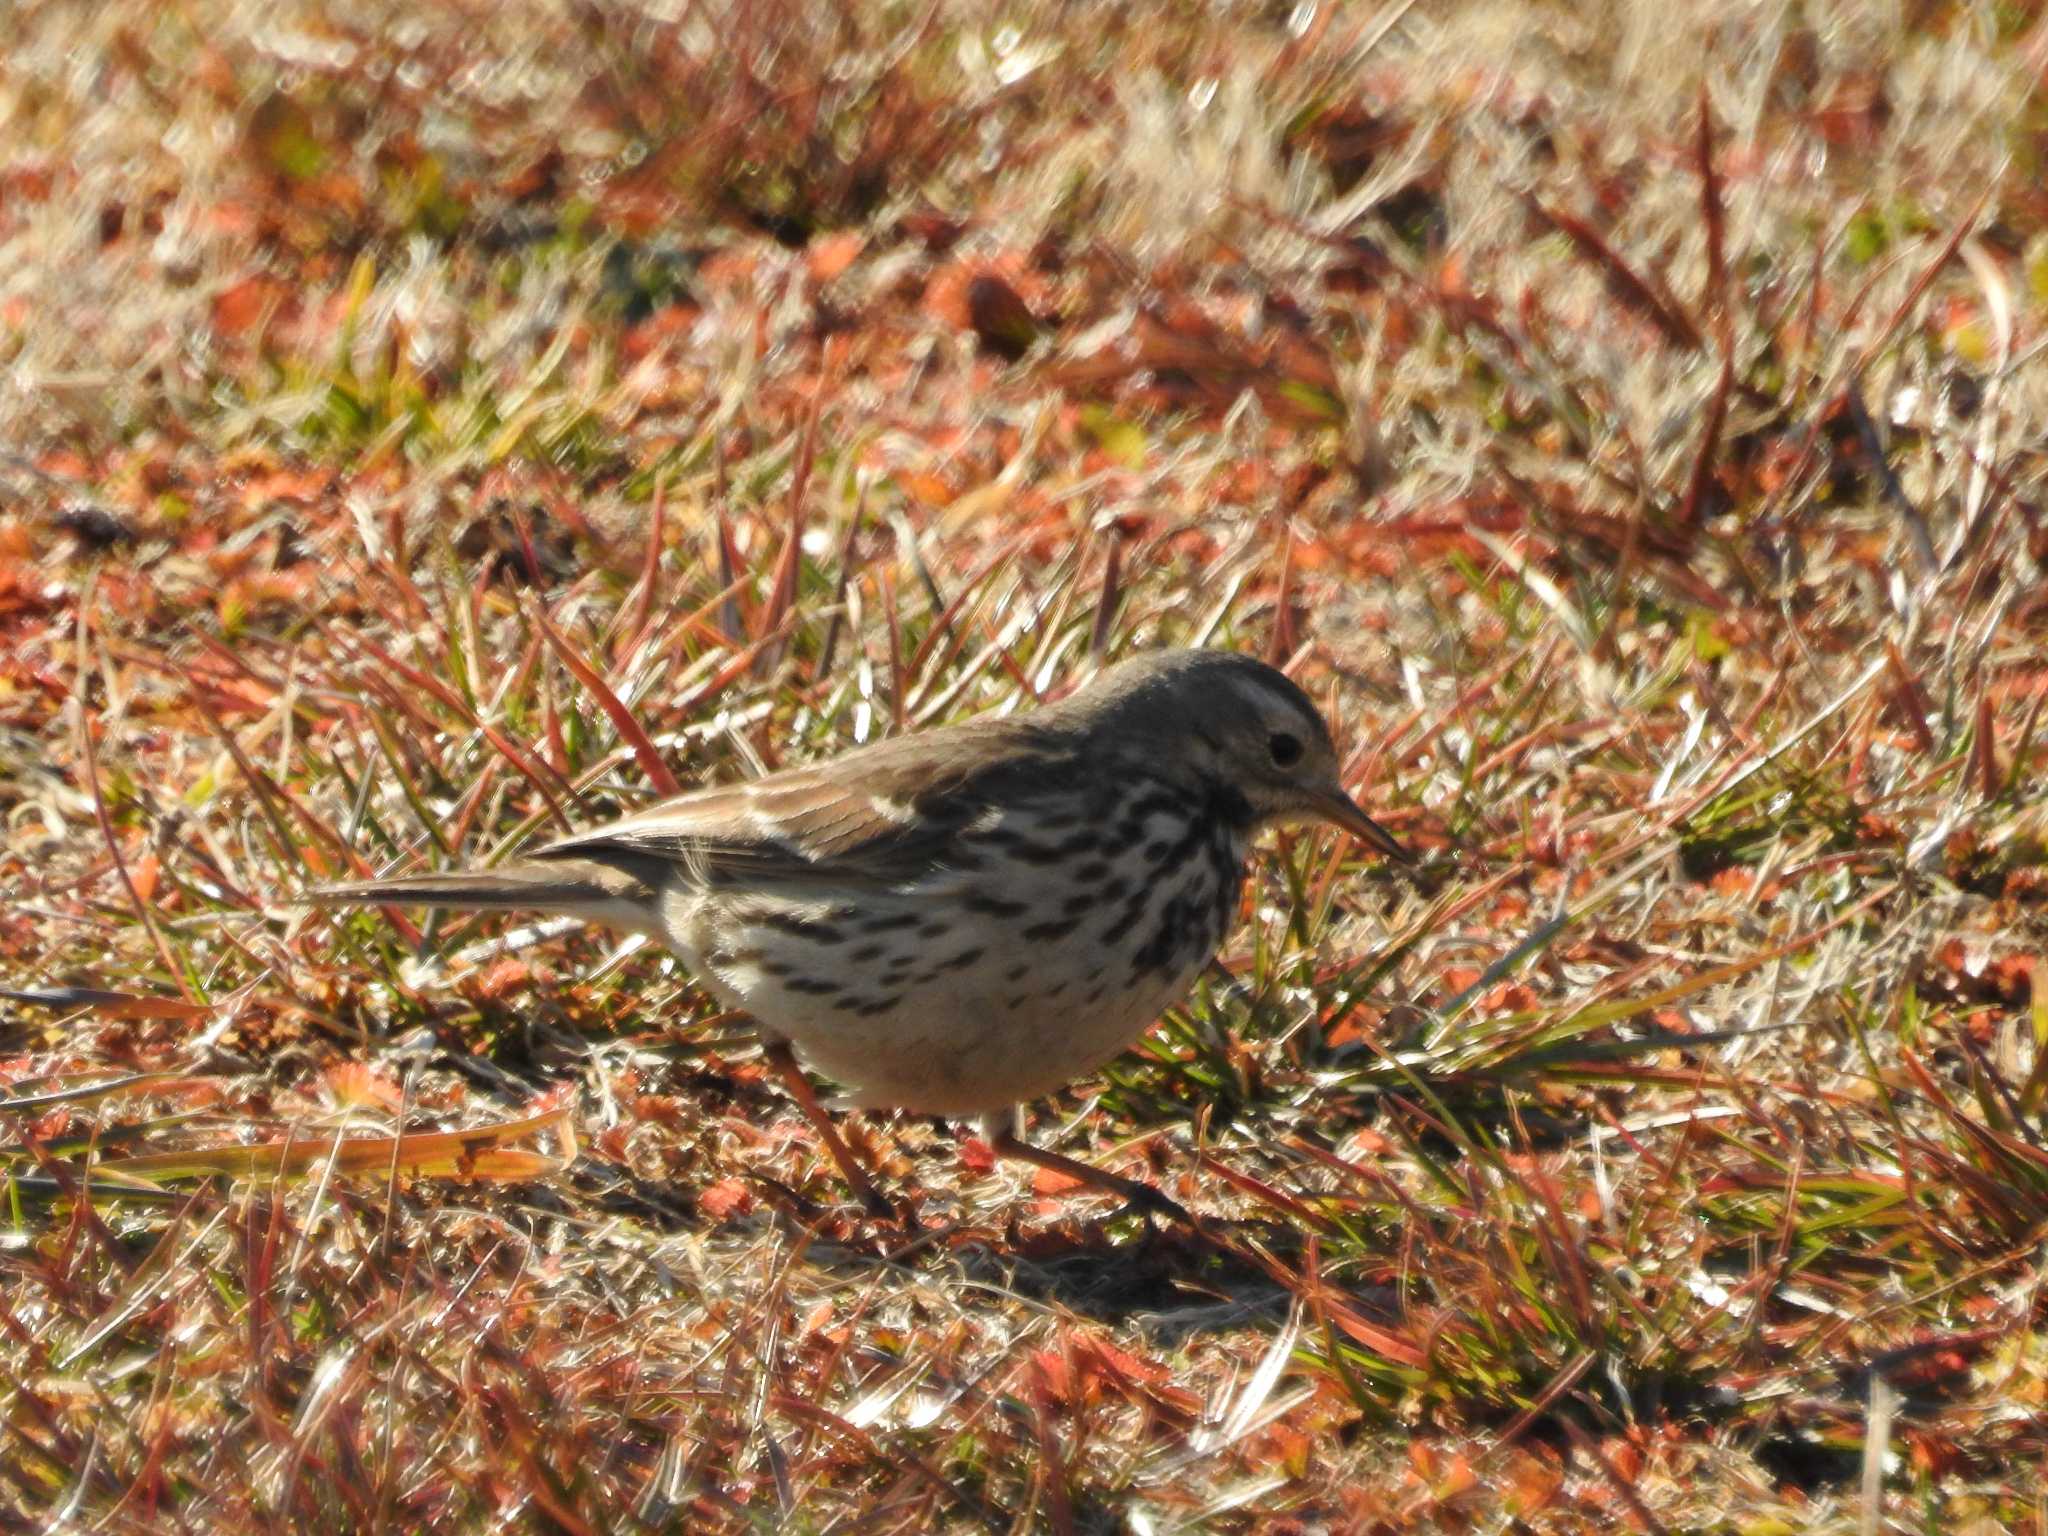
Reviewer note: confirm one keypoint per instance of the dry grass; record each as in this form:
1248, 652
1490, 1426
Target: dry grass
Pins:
428, 429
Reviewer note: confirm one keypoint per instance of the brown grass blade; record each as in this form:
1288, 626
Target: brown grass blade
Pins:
1716, 300
1636, 293
477, 1154
113, 1005
645, 753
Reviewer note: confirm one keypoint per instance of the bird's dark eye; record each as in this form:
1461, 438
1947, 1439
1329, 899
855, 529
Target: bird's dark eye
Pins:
1286, 749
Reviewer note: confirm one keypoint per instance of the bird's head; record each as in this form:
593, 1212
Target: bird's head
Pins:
1239, 724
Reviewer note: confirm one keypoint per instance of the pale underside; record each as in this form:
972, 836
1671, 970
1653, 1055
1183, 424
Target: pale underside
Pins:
922, 1003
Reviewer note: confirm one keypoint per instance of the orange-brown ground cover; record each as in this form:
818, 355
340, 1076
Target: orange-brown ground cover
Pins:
427, 428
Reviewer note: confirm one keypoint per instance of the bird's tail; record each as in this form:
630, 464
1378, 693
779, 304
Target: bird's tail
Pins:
584, 888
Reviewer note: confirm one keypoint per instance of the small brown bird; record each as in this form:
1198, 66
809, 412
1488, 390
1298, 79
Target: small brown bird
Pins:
959, 921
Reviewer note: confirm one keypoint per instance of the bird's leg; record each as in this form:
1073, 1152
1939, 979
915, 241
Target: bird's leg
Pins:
783, 1060
1000, 1131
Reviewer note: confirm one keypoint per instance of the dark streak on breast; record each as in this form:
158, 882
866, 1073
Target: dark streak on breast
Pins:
889, 924
801, 927
1043, 932
993, 906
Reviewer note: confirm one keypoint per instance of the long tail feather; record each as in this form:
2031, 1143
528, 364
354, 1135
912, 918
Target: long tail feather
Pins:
581, 888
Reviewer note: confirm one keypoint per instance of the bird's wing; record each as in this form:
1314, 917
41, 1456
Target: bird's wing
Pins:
885, 816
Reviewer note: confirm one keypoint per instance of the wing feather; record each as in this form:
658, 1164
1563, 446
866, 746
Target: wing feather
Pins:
883, 816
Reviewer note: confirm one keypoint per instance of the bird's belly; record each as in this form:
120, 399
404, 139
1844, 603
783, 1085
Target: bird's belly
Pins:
977, 1044
911, 1002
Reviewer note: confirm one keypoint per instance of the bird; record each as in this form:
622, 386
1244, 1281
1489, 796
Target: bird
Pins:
960, 920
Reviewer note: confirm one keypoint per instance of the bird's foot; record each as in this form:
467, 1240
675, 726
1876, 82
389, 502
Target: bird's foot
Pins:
1148, 1201
899, 1212
783, 1060
1139, 1197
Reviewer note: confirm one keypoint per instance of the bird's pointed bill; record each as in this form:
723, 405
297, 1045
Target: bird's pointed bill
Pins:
1340, 810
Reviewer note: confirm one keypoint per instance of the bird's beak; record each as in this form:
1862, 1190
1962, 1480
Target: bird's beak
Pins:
1340, 810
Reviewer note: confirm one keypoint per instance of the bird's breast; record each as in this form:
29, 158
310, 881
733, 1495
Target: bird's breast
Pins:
1048, 944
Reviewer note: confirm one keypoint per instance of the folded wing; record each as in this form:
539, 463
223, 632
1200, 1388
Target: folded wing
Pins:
885, 817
